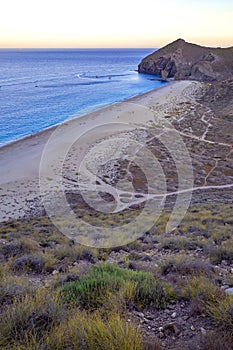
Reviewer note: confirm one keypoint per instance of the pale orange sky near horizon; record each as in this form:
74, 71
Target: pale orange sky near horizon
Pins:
123, 23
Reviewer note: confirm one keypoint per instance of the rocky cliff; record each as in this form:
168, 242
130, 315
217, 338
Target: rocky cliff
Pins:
182, 60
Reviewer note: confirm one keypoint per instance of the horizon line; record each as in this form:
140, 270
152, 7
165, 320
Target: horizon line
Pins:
74, 48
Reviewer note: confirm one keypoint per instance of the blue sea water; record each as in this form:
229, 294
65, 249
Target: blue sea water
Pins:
40, 88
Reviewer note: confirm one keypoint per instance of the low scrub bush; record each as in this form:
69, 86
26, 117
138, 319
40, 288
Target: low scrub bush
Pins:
185, 266
218, 253
179, 243
75, 253
28, 263
17, 248
92, 289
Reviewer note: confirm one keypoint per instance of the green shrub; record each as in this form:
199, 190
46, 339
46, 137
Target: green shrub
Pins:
92, 289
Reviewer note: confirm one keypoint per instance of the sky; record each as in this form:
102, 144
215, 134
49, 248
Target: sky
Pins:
119, 23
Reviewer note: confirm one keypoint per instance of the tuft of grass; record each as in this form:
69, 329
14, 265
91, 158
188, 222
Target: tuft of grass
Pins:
94, 332
92, 289
14, 288
30, 317
201, 291
221, 312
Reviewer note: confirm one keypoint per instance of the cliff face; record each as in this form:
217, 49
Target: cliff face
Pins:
182, 60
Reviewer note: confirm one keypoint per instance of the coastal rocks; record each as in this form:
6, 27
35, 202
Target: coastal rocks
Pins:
156, 67
181, 61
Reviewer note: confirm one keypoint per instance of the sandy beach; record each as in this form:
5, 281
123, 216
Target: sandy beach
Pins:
20, 161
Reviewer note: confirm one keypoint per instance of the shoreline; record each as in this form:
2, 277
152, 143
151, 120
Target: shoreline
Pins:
20, 160
53, 127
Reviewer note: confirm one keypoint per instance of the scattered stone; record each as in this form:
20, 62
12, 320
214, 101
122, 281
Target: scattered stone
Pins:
150, 317
161, 335
203, 331
229, 291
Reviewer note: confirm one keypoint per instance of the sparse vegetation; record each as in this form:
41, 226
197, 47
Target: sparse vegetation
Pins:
57, 294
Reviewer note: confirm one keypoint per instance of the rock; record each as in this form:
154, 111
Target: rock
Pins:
172, 327
225, 286
173, 315
171, 307
150, 317
161, 335
62, 268
192, 328
203, 331
47, 284
183, 61
229, 291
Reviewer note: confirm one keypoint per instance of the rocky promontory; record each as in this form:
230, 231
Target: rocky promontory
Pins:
182, 60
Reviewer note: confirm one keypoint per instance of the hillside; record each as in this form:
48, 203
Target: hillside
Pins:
183, 60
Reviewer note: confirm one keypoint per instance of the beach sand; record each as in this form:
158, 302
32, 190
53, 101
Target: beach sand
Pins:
20, 160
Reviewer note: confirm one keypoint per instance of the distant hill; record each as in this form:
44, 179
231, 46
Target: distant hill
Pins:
182, 60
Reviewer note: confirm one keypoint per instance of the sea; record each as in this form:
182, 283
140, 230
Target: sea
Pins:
40, 88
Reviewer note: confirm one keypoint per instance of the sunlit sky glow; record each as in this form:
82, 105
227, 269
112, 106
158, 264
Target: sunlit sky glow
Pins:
119, 23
